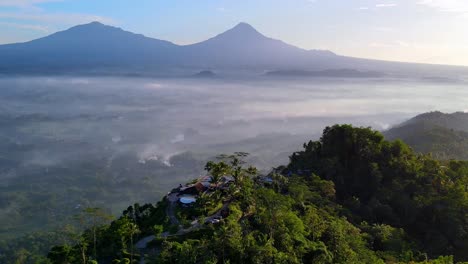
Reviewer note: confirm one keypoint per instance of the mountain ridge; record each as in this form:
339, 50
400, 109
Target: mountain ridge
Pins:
94, 46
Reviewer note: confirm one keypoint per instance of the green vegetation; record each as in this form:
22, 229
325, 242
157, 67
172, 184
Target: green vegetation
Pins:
445, 136
383, 182
351, 197
36, 202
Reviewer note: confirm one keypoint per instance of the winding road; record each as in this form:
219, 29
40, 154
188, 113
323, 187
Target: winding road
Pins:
172, 198
142, 244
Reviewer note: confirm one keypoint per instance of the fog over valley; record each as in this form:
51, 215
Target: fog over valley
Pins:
162, 117
104, 141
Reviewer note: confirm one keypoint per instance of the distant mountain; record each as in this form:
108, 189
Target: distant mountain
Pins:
343, 73
90, 45
205, 74
244, 46
443, 135
98, 48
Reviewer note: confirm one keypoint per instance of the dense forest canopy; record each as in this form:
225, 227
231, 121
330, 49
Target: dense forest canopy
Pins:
351, 197
386, 183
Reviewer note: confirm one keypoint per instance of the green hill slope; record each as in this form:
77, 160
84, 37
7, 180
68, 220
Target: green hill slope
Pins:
443, 135
351, 197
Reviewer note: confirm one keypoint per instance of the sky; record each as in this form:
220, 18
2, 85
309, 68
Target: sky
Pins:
427, 31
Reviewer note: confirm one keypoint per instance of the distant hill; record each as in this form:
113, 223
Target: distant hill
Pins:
205, 74
343, 73
455, 121
443, 135
97, 48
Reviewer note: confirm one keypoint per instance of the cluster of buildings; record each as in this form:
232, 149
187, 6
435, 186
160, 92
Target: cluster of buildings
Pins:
188, 194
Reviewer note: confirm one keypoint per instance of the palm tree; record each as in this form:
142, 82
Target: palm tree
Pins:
217, 170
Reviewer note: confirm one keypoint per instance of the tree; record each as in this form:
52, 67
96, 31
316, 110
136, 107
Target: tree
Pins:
158, 230
97, 217
127, 230
60, 254
217, 170
79, 240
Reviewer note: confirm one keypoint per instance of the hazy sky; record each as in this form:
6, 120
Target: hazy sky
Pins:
432, 31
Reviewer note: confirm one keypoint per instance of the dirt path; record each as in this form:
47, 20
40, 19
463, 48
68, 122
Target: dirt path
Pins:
142, 243
172, 198
141, 246
170, 210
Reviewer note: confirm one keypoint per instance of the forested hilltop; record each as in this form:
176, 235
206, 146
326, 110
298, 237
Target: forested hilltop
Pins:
351, 197
443, 135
